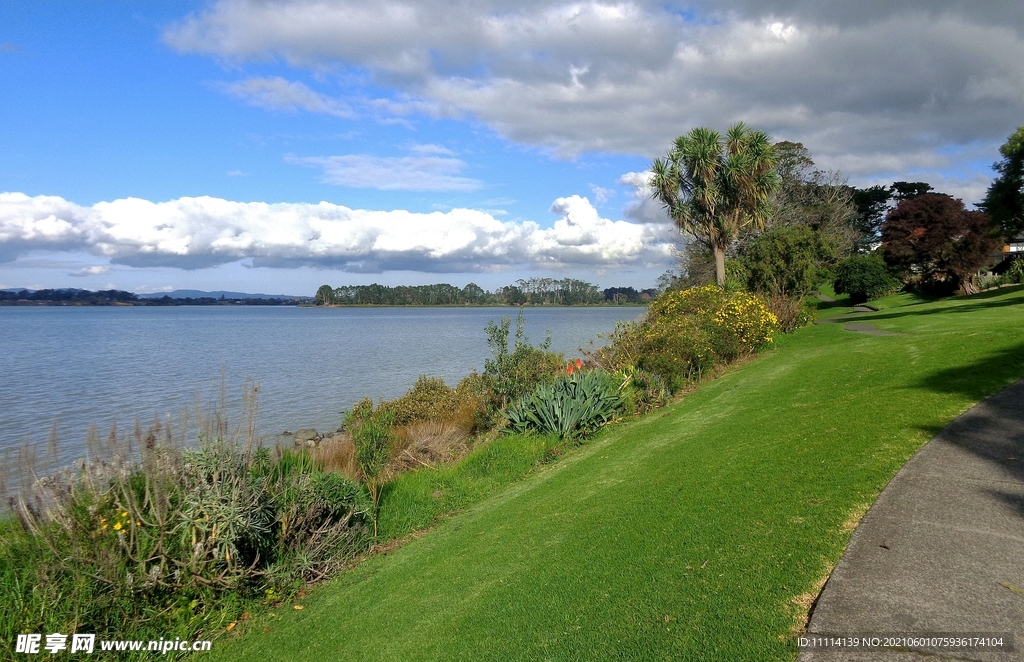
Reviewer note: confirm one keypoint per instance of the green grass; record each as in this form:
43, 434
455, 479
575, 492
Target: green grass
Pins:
418, 499
681, 536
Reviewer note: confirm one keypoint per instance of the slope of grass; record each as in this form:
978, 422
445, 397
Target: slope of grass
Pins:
683, 536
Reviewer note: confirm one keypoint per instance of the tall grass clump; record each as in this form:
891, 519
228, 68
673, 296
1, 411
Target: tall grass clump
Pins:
171, 540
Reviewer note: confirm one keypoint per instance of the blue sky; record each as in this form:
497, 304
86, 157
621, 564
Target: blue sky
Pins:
274, 146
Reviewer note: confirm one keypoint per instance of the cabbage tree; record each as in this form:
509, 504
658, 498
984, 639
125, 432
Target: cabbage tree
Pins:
714, 186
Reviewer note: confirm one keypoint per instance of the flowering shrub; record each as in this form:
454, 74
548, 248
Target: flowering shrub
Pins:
686, 332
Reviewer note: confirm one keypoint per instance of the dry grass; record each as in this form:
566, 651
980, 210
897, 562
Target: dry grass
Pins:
419, 444
429, 444
853, 518
800, 605
338, 453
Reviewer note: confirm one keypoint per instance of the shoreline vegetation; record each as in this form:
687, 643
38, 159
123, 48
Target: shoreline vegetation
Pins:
164, 535
525, 292
532, 292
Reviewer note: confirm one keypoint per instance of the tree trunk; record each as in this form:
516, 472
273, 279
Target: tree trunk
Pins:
719, 265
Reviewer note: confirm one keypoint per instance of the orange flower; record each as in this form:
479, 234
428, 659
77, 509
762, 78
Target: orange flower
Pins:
579, 364
568, 370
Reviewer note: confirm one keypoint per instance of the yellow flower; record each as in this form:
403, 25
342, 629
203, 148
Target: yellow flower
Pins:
117, 526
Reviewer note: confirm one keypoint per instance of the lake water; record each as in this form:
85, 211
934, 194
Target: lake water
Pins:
78, 366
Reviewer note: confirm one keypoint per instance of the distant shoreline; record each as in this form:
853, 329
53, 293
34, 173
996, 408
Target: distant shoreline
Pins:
305, 303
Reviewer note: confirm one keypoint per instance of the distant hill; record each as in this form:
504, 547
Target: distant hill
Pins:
199, 294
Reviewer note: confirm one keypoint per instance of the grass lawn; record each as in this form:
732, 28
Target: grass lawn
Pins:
686, 535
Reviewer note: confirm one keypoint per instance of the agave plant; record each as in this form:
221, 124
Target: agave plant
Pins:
572, 406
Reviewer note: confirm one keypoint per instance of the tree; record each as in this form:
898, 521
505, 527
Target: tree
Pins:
713, 187
324, 295
812, 198
1004, 200
787, 261
872, 203
864, 277
937, 239
900, 191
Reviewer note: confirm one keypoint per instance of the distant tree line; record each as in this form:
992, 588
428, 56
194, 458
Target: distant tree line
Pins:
77, 297
532, 292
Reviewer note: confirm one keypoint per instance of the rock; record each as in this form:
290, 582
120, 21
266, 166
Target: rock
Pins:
307, 437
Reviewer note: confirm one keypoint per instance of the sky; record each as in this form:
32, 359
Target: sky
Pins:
276, 145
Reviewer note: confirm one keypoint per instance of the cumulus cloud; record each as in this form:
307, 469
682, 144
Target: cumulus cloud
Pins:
643, 207
192, 233
851, 80
280, 94
602, 194
427, 168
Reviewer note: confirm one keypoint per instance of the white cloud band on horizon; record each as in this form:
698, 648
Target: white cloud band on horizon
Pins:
195, 233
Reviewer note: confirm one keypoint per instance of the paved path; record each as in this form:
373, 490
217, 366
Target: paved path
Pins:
870, 329
942, 549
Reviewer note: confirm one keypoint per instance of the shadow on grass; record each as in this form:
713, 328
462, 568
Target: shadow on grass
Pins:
993, 432
959, 304
980, 379
842, 302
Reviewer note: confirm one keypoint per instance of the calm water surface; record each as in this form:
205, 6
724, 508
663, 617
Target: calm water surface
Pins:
80, 366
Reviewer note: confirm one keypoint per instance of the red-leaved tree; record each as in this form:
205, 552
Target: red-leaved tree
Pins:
936, 239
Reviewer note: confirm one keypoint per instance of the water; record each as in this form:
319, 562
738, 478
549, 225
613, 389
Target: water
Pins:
105, 365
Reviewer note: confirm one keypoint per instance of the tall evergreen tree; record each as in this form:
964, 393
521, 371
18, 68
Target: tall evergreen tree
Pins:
1004, 200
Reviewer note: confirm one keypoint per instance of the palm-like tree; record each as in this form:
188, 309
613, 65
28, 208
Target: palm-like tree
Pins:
714, 187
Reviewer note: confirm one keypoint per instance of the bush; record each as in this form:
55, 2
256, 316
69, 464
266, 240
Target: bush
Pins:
511, 375
372, 438
430, 399
791, 312
641, 391
573, 406
174, 543
687, 332
864, 277
790, 261
1015, 274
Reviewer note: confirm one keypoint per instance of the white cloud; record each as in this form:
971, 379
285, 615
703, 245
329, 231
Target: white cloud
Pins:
643, 207
201, 232
91, 271
429, 168
279, 94
849, 79
601, 194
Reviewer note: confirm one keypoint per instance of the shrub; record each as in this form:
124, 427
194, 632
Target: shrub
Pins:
864, 277
641, 391
791, 312
573, 406
513, 374
174, 542
686, 332
789, 261
372, 438
429, 399
1015, 274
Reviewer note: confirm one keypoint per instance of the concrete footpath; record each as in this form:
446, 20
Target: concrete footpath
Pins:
942, 549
